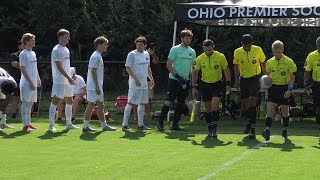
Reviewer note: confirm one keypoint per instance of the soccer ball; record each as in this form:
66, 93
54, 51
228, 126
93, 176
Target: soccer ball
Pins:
265, 82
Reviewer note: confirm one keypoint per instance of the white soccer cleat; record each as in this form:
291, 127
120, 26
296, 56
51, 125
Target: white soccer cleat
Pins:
52, 129
3, 126
71, 126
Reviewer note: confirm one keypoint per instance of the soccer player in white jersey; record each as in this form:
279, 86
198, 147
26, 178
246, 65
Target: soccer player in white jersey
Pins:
30, 80
79, 95
62, 87
138, 68
95, 93
7, 86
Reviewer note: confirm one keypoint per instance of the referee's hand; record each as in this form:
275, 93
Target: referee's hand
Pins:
237, 84
194, 93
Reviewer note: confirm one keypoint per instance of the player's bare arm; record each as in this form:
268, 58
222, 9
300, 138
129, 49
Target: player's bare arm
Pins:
26, 75
133, 75
64, 73
95, 80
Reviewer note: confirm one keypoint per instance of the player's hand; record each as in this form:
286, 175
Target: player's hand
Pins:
151, 51
98, 91
181, 79
237, 83
287, 94
32, 87
71, 81
39, 83
138, 83
194, 93
228, 90
152, 85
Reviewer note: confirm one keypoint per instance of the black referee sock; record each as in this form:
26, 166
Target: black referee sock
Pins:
215, 119
268, 122
164, 112
208, 120
285, 121
177, 113
253, 118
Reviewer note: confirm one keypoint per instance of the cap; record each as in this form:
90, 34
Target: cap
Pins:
247, 39
72, 71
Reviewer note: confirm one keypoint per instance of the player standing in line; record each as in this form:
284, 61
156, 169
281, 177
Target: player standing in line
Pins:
138, 68
62, 87
95, 93
30, 79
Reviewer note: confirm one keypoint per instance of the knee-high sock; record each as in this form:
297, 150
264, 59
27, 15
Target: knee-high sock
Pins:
52, 113
141, 109
178, 112
24, 115
252, 116
68, 112
126, 115
215, 119
208, 118
164, 111
3, 119
268, 122
285, 121
29, 109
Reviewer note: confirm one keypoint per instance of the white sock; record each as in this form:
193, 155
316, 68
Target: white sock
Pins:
126, 115
104, 123
140, 111
3, 119
29, 109
68, 112
85, 123
24, 115
52, 113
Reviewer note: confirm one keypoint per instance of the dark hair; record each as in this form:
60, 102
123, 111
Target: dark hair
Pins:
141, 39
247, 39
100, 40
8, 87
318, 42
62, 32
19, 43
186, 33
207, 42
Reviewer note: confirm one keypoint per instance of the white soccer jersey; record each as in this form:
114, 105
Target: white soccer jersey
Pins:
78, 85
139, 63
97, 63
4, 75
28, 60
62, 54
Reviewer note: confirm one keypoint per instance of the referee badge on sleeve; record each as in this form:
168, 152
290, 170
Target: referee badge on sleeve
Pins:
283, 73
254, 61
216, 66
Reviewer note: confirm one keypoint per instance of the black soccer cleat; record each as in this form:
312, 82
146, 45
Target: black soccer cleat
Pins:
266, 134
247, 129
212, 134
285, 134
160, 126
252, 134
176, 128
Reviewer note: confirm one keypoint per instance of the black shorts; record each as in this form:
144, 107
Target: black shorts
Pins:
276, 93
175, 91
210, 90
316, 93
249, 87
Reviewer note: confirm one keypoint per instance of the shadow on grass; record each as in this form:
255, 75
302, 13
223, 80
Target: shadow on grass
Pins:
15, 134
89, 136
134, 135
211, 143
180, 135
286, 146
51, 135
246, 141
317, 147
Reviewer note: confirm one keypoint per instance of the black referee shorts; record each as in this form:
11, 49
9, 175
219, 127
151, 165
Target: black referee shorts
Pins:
316, 93
249, 87
276, 93
210, 90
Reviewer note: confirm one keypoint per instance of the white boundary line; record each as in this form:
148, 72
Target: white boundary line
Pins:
233, 161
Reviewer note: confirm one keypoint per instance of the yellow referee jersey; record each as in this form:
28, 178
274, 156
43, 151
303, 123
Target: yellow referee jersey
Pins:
281, 69
211, 66
249, 61
313, 64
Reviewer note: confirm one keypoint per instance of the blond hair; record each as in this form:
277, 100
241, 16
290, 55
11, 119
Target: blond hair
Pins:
277, 45
100, 40
26, 37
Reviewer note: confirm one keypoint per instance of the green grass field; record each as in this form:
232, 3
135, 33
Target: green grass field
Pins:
155, 155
